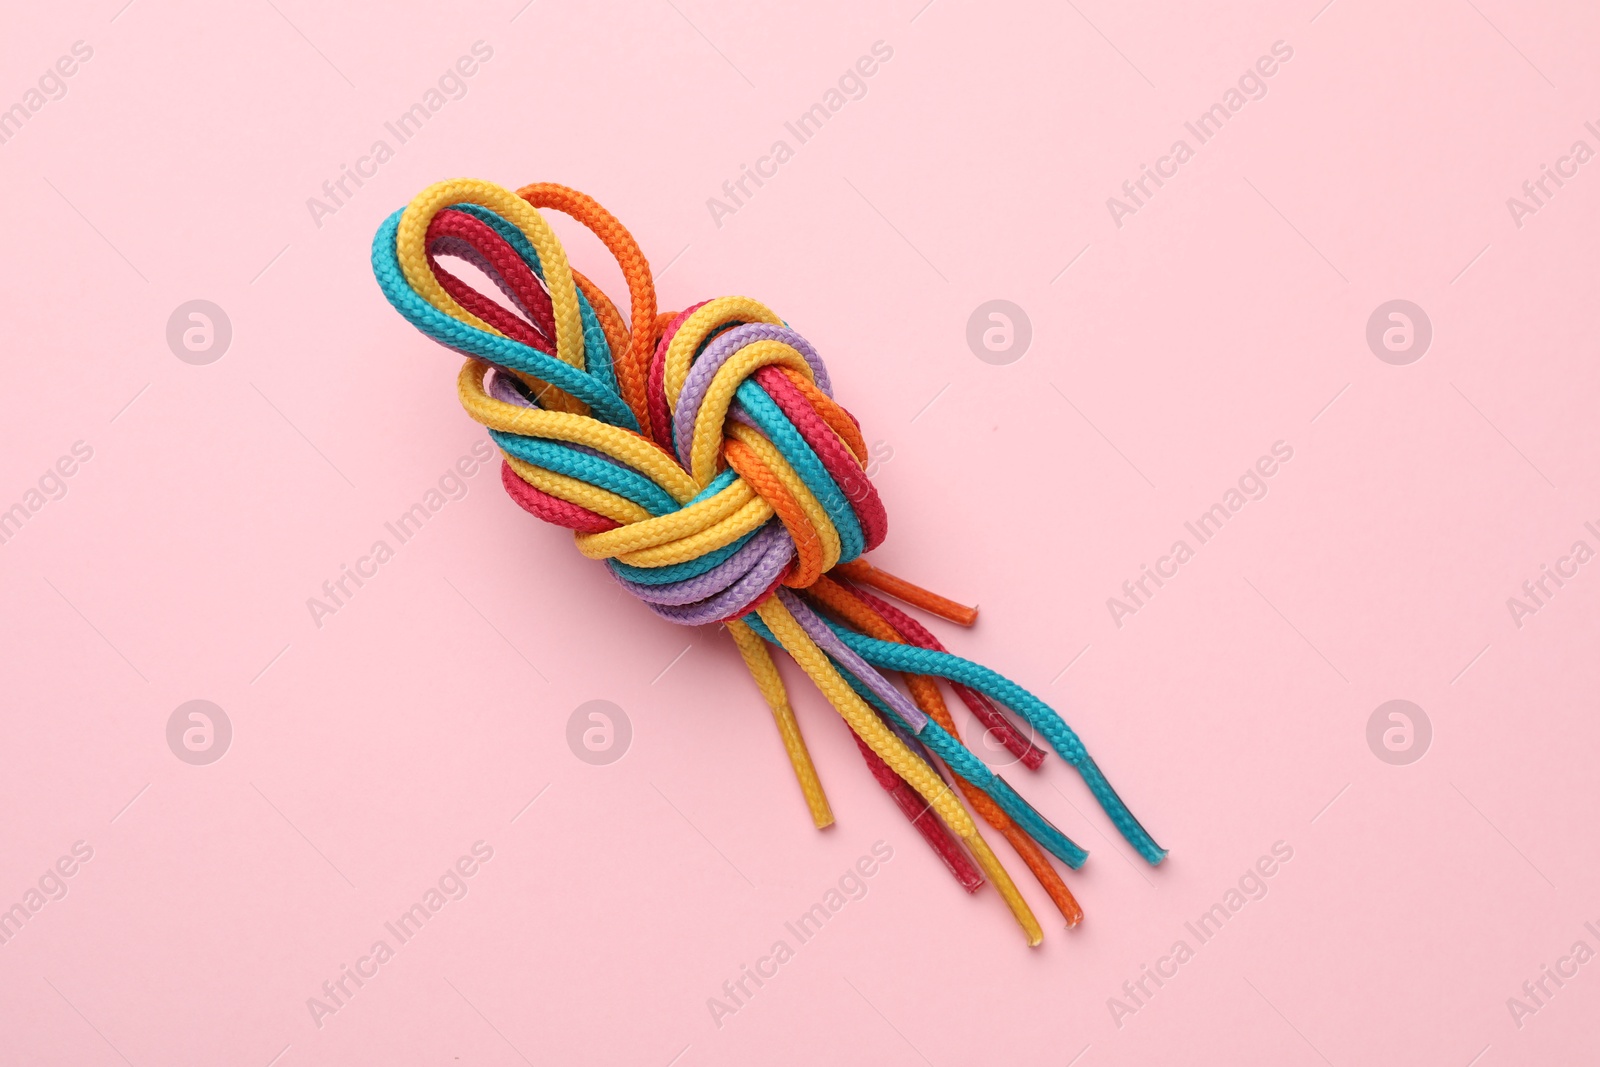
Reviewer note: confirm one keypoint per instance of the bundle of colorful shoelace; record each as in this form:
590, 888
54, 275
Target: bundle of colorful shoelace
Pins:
702, 456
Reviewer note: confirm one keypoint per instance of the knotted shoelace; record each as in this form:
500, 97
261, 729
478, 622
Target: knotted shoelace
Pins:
702, 456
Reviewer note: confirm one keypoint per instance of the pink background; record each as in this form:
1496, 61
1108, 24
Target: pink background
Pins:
1227, 314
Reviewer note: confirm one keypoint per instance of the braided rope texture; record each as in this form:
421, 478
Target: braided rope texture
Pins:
702, 456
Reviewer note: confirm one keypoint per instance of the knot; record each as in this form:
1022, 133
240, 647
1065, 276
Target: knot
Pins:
701, 455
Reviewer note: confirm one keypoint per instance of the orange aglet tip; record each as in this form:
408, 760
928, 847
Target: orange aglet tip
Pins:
859, 570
